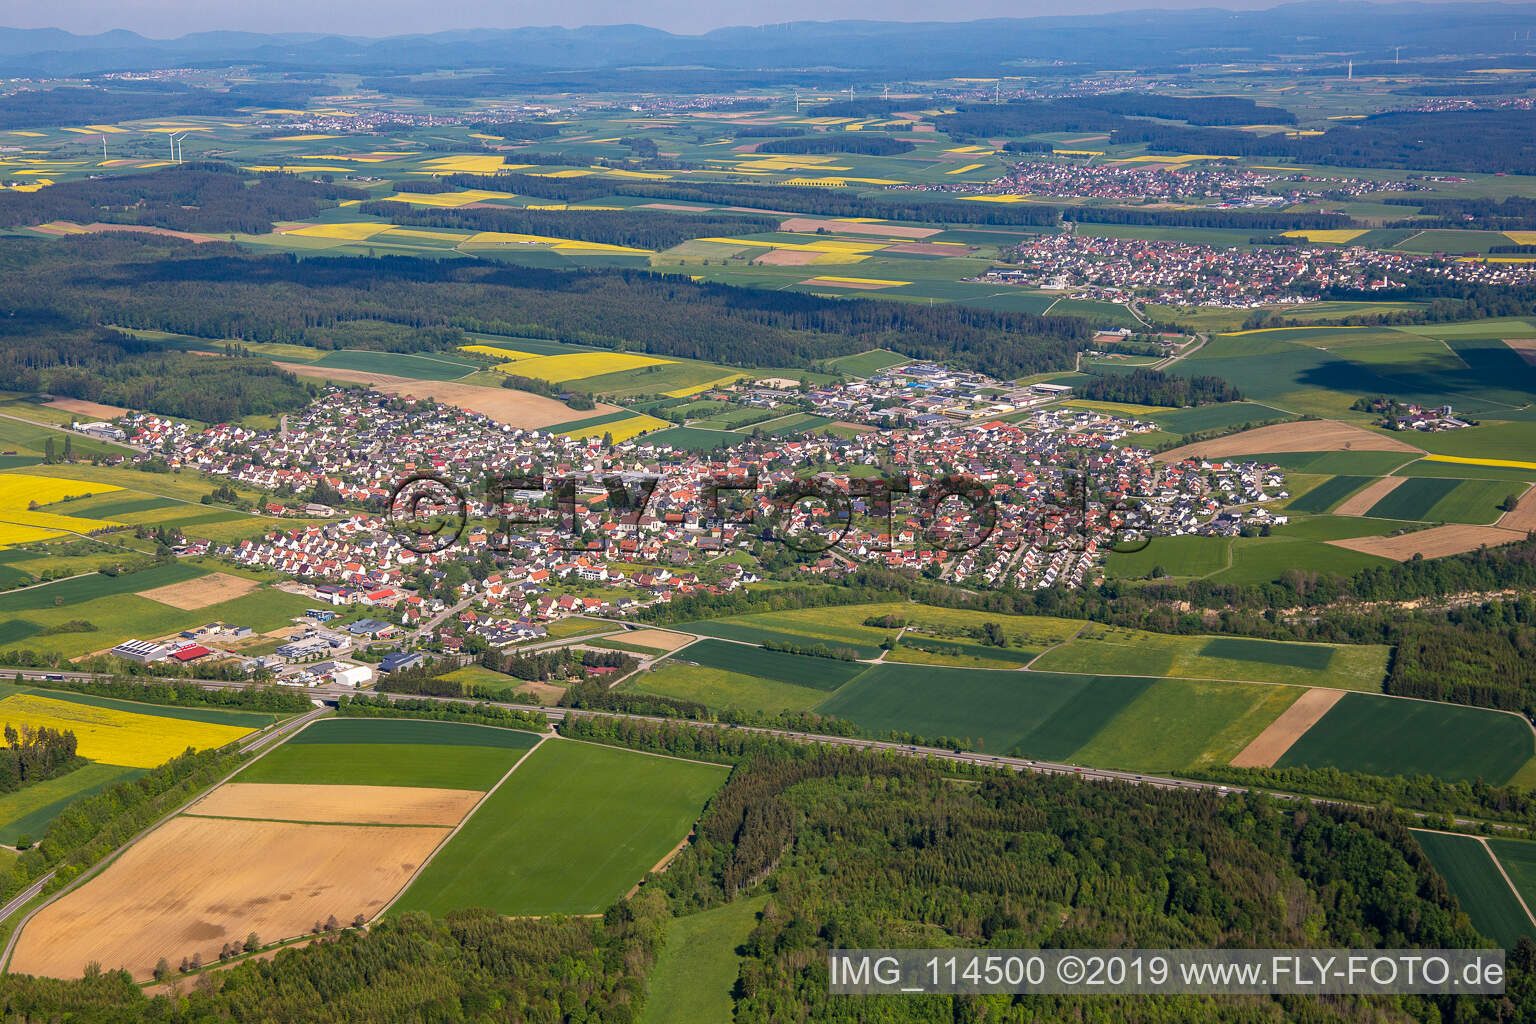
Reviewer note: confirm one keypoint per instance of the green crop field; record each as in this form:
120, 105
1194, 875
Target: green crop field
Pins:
1263, 559
1175, 556
1351, 463
1212, 417
1389, 736
1471, 501
1182, 723
417, 367
1046, 715
393, 752
1519, 860
1134, 652
866, 363
723, 690
801, 669
745, 629
573, 829
1474, 879
920, 649
697, 969
27, 811
1413, 498
692, 438
1327, 494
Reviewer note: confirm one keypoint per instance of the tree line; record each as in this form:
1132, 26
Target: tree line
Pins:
1154, 387
34, 753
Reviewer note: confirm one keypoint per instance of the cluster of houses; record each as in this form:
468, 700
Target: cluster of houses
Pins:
1068, 176
593, 557
1188, 273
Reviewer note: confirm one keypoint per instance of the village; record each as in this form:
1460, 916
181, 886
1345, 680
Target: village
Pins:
1188, 273
642, 522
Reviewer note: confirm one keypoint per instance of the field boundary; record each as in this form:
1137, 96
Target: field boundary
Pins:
462, 822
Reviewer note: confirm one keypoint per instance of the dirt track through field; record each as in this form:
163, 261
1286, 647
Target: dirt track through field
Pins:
212, 589
1363, 501
1270, 745
504, 405
1306, 436
194, 884
355, 805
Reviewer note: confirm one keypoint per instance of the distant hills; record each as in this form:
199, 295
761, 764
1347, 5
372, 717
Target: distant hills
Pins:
1145, 39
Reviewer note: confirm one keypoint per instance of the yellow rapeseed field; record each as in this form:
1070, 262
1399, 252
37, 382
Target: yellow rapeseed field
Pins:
1522, 237
695, 389
118, 737
18, 490
1465, 461
963, 170
576, 365
1337, 235
623, 430
353, 232
469, 164
13, 534
461, 198
497, 352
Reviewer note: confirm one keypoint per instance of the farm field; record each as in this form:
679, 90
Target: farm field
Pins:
1442, 499
1392, 736
800, 669
1044, 715
1473, 876
1181, 723
420, 367
1327, 494
116, 608
276, 857
697, 969
114, 736
585, 823
392, 752
1518, 858
28, 811
194, 883
724, 690
1117, 649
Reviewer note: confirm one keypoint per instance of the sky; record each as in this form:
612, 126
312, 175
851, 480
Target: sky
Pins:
165, 19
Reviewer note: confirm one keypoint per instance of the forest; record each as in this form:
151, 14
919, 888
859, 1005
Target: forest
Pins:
188, 197
643, 229
1490, 141
34, 753
856, 849
1154, 387
860, 143
41, 352
212, 291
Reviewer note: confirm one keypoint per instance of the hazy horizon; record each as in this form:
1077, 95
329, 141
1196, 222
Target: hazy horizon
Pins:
168, 19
